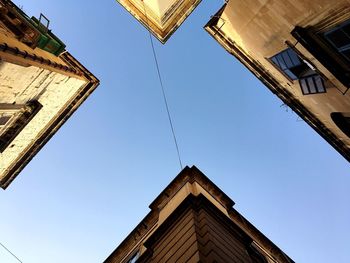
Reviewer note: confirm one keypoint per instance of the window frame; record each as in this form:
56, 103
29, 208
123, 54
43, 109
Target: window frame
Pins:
313, 76
280, 69
23, 115
311, 38
325, 36
11, 111
304, 74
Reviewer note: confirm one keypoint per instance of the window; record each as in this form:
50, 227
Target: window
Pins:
134, 258
328, 40
295, 68
289, 62
339, 38
342, 120
8, 113
13, 118
312, 84
4, 120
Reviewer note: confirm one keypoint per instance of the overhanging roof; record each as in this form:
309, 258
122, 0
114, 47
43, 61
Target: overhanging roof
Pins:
24, 157
160, 17
42, 86
232, 44
211, 193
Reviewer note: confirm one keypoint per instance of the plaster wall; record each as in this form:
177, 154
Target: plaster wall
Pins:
261, 28
19, 85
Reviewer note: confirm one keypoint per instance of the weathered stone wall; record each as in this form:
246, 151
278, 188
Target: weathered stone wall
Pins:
262, 27
19, 85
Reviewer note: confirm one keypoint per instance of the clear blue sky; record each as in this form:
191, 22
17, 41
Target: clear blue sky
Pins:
92, 183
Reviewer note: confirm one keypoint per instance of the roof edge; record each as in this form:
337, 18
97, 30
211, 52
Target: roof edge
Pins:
187, 174
66, 113
191, 174
269, 81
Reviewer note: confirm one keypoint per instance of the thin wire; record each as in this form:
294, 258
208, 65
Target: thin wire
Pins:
10, 252
162, 87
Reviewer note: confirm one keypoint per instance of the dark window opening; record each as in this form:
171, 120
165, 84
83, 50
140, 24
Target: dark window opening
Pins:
290, 63
342, 120
325, 52
296, 69
134, 258
27, 113
339, 38
4, 120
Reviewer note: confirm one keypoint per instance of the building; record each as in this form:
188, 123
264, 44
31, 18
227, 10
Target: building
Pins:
301, 51
192, 220
41, 85
160, 17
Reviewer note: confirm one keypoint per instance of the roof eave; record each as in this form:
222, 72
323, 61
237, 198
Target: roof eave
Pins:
66, 113
276, 88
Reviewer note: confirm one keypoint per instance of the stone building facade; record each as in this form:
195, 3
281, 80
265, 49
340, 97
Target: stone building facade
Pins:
160, 17
192, 220
301, 51
41, 85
